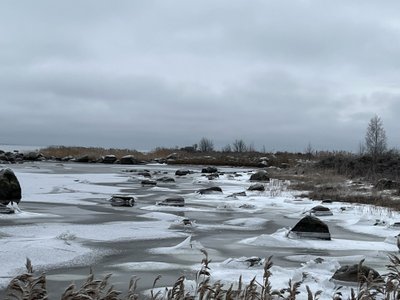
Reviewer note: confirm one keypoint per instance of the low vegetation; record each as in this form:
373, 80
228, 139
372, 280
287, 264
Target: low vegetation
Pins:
29, 286
184, 155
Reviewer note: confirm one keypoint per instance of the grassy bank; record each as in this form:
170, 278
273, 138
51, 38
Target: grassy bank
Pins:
175, 156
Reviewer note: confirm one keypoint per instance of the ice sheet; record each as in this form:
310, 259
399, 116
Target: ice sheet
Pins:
65, 242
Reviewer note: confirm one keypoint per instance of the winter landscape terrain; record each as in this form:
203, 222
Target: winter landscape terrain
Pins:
66, 224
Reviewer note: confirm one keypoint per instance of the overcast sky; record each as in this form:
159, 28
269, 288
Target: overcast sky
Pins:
140, 74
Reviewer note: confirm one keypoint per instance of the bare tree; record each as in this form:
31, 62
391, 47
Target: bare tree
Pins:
309, 151
239, 146
375, 138
375, 141
206, 145
227, 148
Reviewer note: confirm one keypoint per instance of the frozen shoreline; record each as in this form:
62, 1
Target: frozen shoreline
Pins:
67, 224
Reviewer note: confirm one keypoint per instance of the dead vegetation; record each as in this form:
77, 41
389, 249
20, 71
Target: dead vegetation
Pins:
178, 156
29, 286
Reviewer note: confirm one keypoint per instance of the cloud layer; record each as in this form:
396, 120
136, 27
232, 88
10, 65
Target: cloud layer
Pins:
141, 74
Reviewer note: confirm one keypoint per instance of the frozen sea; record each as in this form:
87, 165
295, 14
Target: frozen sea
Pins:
66, 225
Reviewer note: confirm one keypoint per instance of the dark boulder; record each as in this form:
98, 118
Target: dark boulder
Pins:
10, 189
149, 182
166, 179
327, 201
210, 190
83, 159
320, 210
209, 170
122, 200
3, 157
256, 187
259, 176
173, 201
109, 159
128, 160
253, 261
355, 273
32, 156
182, 172
8, 157
311, 227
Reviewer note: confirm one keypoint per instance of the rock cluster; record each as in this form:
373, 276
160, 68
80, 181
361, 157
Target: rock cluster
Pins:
17, 157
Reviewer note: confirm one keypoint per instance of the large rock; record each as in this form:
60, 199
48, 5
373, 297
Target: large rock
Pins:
122, 200
166, 179
182, 172
33, 156
173, 201
256, 187
209, 170
311, 227
321, 210
148, 182
83, 159
355, 273
210, 190
259, 176
128, 160
10, 189
109, 159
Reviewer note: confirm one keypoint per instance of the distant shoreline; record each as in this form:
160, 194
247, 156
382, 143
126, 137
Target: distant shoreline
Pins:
20, 148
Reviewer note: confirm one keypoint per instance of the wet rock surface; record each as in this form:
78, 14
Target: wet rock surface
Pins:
259, 176
355, 273
210, 190
321, 210
10, 189
311, 227
173, 201
256, 187
122, 200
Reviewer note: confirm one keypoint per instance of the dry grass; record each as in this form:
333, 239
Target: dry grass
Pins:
96, 153
30, 287
250, 159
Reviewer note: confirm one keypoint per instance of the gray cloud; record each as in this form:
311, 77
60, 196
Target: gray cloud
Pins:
142, 74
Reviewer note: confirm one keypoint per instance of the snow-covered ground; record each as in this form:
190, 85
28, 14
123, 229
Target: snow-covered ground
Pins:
65, 221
